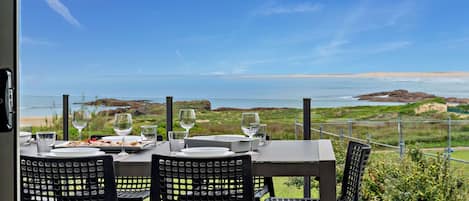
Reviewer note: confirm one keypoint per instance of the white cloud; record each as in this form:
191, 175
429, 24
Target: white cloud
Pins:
363, 18
366, 17
403, 9
330, 49
458, 42
239, 70
24, 40
214, 73
62, 10
178, 53
287, 9
391, 46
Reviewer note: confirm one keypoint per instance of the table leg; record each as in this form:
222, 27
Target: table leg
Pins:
327, 181
307, 187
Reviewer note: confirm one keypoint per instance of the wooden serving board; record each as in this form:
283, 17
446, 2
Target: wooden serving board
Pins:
106, 146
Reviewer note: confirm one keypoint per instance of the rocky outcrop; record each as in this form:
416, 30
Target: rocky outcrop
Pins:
144, 107
194, 104
221, 109
400, 95
457, 100
404, 96
112, 102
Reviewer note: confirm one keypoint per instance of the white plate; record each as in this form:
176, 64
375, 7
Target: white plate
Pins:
51, 154
74, 151
205, 151
233, 137
224, 154
131, 138
226, 138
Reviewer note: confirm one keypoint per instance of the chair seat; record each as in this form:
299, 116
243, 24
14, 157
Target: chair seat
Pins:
133, 195
291, 199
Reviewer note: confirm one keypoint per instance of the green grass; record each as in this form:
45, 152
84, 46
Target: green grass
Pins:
463, 168
462, 154
289, 191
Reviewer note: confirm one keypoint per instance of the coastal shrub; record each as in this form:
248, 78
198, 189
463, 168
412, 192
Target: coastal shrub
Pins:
415, 177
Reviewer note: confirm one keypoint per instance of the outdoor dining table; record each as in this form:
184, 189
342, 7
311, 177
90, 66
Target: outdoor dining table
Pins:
276, 158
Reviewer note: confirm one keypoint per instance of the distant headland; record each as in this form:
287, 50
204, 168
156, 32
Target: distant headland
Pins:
405, 96
365, 75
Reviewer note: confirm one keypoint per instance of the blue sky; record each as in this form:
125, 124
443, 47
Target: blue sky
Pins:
75, 39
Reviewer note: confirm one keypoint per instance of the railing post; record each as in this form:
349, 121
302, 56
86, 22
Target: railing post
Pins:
350, 128
401, 138
296, 129
307, 136
448, 152
306, 118
65, 108
368, 138
169, 115
341, 134
320, 131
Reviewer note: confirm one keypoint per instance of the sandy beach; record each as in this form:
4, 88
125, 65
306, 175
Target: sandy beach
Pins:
35, 121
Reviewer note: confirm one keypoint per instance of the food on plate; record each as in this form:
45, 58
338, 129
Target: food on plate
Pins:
101, 143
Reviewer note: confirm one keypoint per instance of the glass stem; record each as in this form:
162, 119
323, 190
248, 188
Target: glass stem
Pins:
187, 131
250, 144
122, 145
79, 134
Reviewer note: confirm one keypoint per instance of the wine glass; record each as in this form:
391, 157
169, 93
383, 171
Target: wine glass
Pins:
250, 125
122, 127
80, 119
187, 119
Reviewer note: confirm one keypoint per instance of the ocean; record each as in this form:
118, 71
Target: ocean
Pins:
238, 92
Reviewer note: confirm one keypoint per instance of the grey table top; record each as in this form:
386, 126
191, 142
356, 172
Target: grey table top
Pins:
276, 151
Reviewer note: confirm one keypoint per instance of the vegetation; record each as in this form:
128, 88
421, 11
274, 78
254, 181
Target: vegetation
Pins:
415, 177
387, 178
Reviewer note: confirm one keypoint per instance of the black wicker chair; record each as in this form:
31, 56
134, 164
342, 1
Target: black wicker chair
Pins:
357, 157
70, 179
131, 188
184, 179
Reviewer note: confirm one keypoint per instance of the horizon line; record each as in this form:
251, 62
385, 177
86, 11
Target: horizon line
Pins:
362, 75
376, 74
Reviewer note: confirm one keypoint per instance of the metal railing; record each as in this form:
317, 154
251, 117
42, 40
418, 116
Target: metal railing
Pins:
400, 147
